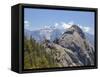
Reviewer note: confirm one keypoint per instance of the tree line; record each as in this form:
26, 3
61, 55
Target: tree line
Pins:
36, 56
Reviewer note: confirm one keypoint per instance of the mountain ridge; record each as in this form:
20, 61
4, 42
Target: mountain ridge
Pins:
69, 48
52, 32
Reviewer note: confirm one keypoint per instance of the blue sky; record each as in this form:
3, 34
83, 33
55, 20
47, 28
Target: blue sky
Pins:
39, 18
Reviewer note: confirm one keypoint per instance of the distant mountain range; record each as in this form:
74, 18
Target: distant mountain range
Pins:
90, 38
52, 33
46, 33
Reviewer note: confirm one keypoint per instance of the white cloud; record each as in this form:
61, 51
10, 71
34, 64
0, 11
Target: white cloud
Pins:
26, 23
85, 28
56, 24
46, 26
69, 24
66, 25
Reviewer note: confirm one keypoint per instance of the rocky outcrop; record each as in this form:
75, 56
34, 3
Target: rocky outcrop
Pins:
63, 57
74, 39
71, 49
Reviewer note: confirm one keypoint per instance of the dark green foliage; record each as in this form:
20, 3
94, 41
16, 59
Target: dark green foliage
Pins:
36, 56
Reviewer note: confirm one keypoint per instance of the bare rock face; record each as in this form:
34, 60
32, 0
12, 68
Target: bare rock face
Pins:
74, 39
71, 49
63, 57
